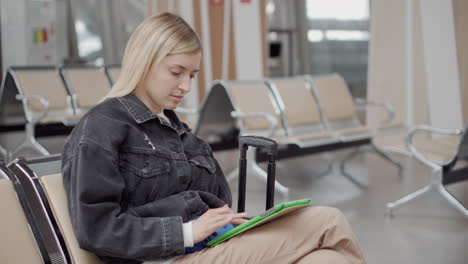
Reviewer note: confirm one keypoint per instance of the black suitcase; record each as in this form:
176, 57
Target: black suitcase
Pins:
271, 148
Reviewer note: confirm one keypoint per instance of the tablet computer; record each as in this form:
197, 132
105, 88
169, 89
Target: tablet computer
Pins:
273, 213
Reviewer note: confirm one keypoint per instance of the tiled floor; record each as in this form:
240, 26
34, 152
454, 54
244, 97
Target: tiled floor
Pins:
428, 230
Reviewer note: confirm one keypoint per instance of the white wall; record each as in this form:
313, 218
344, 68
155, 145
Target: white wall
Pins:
13, 24
443, 81
413, 62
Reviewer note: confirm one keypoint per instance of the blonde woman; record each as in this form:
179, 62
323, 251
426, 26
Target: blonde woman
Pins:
141, 187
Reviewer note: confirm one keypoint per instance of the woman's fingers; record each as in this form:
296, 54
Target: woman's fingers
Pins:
221, 210
239, 221
214, 219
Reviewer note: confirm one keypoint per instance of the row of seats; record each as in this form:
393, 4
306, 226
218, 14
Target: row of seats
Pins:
318, 113
313, 113
53, 95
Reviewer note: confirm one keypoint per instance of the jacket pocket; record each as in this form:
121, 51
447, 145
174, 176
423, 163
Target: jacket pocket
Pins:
203, 170
203, 161
144, 173
201, 157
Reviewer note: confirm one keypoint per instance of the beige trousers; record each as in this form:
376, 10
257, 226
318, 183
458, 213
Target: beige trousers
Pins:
310, 235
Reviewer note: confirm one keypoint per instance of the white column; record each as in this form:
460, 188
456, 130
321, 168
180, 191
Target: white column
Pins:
206, 40
15, 37
248, 40
226, 39
441, 63
186, 12
409, 58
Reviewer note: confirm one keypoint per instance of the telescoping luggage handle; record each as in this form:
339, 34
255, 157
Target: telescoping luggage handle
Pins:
271, 149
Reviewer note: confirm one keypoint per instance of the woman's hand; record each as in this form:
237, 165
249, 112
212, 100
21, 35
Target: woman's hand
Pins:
214, 219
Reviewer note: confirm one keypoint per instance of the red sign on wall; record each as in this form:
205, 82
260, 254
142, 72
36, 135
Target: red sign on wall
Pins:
216, 2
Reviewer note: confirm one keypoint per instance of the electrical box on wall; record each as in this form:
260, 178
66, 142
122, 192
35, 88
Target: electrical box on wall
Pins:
41, 30
29, 32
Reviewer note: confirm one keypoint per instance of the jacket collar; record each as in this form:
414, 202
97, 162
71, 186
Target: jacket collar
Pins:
141, 114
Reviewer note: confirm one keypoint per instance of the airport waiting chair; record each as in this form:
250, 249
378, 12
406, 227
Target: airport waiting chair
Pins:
17, 241
44, 100
447, 156
52, 186
339, 112
340, 115
255, 107
48, 192
301, 115
215, 123
26, 233
112, 73
245, 106
87, 85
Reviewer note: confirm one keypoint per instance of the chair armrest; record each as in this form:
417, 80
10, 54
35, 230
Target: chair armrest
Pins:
418, 155
44, 103
268, 117
390, 109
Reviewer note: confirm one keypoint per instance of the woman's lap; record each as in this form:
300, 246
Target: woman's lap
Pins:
284, 240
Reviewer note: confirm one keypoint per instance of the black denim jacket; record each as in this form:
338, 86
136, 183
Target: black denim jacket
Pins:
132, 179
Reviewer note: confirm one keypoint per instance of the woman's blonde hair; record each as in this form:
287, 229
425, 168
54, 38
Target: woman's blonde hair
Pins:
155, 38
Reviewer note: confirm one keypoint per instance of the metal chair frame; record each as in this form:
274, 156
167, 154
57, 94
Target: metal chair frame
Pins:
78, 110
35, 117
440, 170
43, 225
336, 126
253, 168
109, 72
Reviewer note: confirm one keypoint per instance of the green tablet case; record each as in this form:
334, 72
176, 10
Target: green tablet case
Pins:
273, 213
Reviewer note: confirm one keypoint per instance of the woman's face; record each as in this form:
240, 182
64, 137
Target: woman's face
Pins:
168, 81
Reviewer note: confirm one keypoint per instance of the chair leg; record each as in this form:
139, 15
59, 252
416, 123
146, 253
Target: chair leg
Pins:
452, 200
30, 143
343, 171
436, 185
406, 199
385, 156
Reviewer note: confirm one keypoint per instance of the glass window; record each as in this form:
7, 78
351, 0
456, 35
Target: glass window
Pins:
338, 36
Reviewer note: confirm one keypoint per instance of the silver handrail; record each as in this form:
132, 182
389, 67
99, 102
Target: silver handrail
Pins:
418, 155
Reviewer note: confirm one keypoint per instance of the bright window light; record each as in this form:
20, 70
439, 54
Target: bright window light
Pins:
88, 43
270, 8
338, 9
315, 35
80, 26
347, 35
